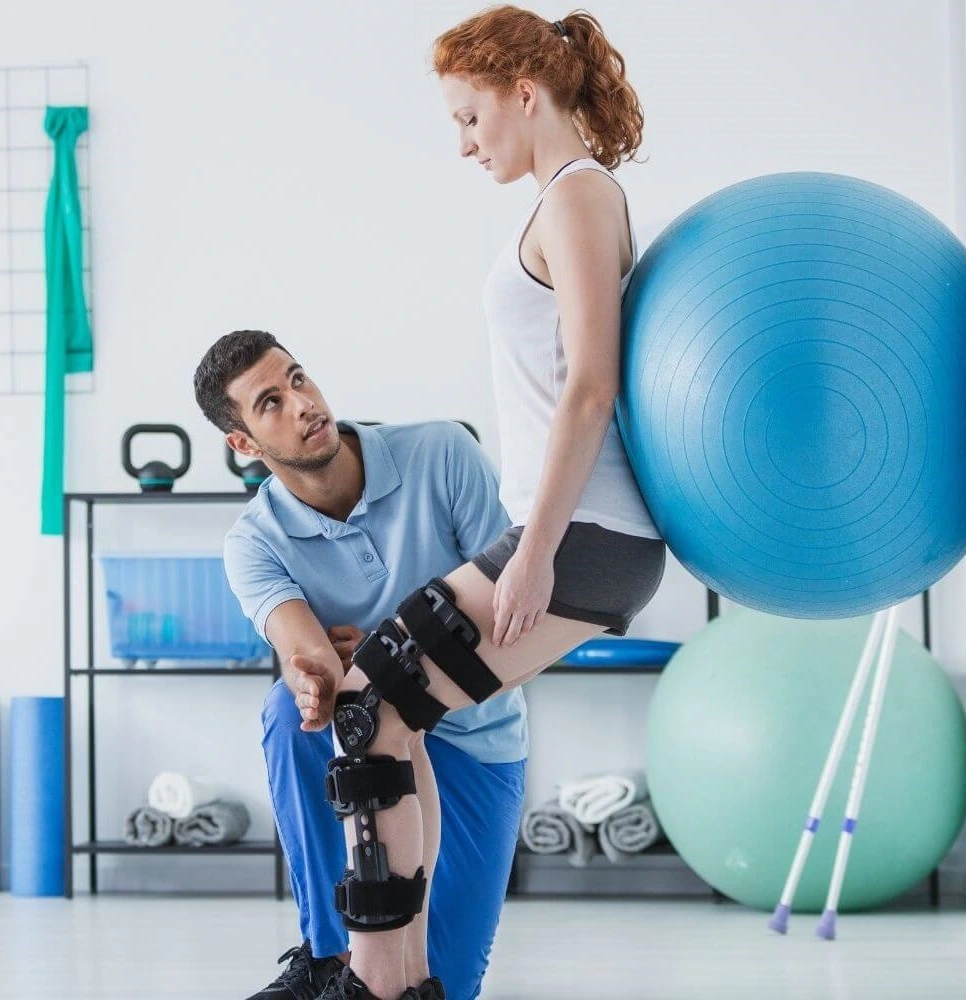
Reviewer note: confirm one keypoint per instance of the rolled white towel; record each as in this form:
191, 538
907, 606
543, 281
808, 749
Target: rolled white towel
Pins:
592, 799
178, 795
628, 832
547, 829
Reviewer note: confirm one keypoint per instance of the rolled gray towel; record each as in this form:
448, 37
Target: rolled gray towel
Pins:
147, 827
215, 823
548, 829
629, 831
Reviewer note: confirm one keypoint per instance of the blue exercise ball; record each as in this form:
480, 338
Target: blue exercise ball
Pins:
793, 398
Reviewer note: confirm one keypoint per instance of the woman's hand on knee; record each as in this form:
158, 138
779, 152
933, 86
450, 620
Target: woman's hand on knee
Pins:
521, 597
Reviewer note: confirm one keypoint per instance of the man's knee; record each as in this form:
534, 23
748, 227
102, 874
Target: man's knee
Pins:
281, 724
279, 711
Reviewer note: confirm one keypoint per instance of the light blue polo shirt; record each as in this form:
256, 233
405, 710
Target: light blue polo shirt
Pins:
430, 503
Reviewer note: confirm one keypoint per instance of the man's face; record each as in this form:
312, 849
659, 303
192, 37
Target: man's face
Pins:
288, 422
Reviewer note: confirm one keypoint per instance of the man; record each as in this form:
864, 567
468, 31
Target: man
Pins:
354, 519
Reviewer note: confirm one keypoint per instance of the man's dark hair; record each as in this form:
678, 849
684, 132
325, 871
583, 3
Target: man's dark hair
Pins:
224, 361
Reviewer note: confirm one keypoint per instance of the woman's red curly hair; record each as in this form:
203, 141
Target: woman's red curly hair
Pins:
582, 70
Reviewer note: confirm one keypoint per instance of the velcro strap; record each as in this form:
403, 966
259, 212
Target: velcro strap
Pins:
416, 707
456, 660
381, 779
396, 897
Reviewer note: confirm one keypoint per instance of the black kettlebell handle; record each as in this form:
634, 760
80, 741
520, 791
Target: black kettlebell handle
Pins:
174, 429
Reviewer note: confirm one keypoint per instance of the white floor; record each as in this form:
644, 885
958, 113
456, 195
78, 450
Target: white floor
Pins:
141, 948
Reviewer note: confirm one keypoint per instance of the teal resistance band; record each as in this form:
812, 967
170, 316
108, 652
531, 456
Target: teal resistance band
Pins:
69, 344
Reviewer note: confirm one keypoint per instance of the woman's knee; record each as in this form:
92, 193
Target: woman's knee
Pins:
393, 737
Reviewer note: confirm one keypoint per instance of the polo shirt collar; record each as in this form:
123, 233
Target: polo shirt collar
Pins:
299, 520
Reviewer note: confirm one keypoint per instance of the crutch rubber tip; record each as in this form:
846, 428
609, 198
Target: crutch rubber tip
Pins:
826, 926
779, 919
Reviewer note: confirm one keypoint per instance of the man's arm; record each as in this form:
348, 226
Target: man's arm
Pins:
311, 667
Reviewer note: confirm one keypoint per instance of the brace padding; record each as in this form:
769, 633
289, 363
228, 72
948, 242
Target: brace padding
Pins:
379, 906
389, 669
453, 655
379, 783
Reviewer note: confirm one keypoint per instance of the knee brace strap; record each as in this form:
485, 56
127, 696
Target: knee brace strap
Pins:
390, 660
448, 637
370, 897
379, 783
379, 905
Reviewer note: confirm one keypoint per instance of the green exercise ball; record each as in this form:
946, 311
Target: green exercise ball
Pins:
737, 734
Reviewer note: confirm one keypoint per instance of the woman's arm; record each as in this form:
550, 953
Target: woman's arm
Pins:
580, 235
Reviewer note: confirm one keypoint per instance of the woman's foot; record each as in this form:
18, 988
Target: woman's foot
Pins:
348, 986
431, 989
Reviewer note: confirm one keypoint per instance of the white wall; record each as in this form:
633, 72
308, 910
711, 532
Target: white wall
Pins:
289, 165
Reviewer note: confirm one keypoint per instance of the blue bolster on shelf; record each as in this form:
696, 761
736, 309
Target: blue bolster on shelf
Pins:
605, 652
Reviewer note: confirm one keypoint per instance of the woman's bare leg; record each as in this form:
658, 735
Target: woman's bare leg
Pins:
380, 958
417, 964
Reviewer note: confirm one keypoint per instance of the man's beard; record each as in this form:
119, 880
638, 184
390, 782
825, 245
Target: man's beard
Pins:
315, 464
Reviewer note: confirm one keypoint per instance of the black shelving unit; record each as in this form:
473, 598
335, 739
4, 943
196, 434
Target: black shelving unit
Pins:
93, 846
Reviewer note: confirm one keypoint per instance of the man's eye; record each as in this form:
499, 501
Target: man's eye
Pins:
471, 121
270, 403
298, 379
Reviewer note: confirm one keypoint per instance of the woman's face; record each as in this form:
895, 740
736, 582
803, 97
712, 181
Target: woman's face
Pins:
492, 129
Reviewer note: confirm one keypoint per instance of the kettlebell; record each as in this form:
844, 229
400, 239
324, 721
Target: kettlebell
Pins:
252, 475
155, 476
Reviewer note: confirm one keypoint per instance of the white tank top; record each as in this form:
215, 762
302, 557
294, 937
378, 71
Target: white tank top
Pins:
529, 372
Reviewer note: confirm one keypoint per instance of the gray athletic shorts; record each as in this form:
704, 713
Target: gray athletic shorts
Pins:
600, 576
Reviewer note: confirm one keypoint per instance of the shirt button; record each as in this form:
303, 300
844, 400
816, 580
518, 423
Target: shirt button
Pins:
368, 557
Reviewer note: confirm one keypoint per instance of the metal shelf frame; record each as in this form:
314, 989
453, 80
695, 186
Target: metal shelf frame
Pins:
92, 846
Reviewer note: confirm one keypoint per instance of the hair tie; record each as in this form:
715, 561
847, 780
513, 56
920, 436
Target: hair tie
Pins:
561, 28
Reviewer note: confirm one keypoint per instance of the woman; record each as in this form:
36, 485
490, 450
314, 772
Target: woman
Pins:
531, 97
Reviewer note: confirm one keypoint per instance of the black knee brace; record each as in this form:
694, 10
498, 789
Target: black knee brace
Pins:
449, 638
437, 629
369, 897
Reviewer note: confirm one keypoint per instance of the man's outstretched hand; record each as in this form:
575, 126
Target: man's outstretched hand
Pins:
315, 689
313, 681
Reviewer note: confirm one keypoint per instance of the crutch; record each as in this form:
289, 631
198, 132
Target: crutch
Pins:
883, 625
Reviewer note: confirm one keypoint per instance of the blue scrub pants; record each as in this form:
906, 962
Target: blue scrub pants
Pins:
481, 811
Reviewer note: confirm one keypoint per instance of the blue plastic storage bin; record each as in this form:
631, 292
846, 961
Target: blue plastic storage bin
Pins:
176, 607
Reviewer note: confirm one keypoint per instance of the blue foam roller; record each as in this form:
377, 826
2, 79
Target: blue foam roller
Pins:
604, 652
37, 797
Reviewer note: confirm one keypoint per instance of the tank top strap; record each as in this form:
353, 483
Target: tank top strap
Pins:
586, 163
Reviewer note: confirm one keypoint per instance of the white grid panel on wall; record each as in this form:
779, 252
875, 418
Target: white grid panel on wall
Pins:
26, 166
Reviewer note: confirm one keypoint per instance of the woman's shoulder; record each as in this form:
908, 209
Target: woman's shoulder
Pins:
585, 187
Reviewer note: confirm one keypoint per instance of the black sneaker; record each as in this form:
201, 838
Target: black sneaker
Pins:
431, 989
348, 986
305, 977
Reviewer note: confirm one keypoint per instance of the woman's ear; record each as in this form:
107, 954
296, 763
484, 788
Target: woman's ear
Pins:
526, 94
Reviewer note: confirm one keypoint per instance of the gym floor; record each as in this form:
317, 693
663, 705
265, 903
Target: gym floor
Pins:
115, 947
